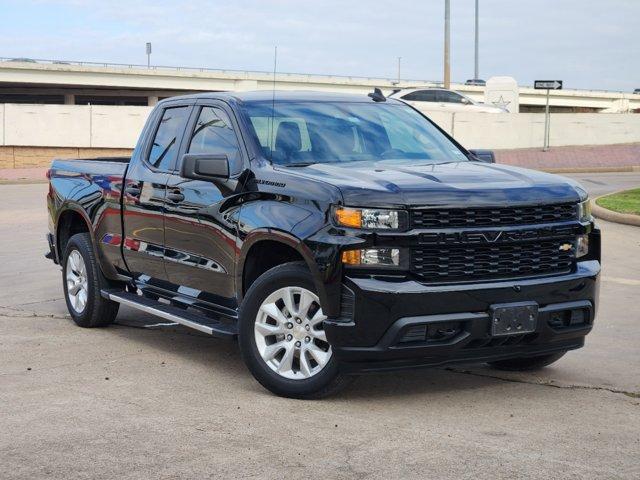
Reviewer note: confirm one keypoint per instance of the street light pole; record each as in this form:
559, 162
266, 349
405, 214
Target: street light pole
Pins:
476, 69
447, 72
399, 60
148, 54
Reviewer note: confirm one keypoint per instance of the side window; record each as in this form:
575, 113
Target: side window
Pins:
421, 96
165, 143
262, 126
214, 134
451, 97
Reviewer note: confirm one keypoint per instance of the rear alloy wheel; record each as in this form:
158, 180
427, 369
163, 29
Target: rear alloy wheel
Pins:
77, 286
282, 337
82, 281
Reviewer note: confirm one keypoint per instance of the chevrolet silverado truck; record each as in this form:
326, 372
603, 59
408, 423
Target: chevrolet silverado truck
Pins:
330, 235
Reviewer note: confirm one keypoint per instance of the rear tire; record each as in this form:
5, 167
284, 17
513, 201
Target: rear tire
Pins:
527, 363
287, 352
82, 281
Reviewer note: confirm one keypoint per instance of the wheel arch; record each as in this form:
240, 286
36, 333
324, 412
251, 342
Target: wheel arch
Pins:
259, 240
70, 221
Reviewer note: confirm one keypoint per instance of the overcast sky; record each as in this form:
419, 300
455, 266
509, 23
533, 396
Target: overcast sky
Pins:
588, 44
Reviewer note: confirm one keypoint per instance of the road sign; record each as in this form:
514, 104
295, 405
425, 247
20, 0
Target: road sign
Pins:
547, 84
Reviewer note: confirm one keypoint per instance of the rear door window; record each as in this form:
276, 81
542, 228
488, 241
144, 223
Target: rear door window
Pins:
166, 141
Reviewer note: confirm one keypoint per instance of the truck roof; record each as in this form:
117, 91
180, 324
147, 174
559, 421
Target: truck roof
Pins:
280, 96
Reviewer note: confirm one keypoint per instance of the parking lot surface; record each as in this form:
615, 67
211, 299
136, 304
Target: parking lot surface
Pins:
141, 401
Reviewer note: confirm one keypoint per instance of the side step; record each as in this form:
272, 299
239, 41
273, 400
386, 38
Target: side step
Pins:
173, 314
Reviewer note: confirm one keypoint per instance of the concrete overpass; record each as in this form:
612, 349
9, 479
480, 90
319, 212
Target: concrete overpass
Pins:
47, 81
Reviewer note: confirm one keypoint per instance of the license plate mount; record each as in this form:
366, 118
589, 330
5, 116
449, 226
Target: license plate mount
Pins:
513, 318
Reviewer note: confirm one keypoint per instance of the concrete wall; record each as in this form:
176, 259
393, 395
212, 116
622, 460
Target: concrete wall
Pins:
83, 126
526, 130
79, 126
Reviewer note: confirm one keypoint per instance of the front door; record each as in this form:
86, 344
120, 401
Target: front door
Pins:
200, 220
144, 195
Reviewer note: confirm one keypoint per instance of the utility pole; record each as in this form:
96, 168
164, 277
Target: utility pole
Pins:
447, 71
399, 60
148, 54
547, 124
476, 68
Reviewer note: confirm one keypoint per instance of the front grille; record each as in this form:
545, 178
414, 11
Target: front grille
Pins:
489, 217
468, 263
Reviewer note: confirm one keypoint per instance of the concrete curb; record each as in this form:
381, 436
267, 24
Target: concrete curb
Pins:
611, 216
22, 181
628, 168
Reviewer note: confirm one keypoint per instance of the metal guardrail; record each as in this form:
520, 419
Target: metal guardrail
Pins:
201, 69
392, 81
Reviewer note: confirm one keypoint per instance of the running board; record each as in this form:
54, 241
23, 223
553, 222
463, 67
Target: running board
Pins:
173, 314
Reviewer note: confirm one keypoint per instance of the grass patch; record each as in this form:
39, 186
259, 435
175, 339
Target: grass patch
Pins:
623, 202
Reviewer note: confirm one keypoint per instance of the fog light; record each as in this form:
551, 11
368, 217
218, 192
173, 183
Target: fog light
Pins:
582, 246
389, 257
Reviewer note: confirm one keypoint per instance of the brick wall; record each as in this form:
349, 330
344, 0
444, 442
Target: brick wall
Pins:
29, 157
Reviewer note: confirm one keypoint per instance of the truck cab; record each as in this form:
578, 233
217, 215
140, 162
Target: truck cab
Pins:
330, 235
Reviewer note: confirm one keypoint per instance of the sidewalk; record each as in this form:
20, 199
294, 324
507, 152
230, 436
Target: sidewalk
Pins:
563, 159
23, 175
582, 158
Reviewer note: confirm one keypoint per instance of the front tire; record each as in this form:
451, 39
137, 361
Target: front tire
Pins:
525, 364
282, 338
82, 280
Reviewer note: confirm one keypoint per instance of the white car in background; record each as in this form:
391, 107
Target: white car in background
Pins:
442, 100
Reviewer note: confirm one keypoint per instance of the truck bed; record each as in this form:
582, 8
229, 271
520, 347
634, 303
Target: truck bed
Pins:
98, 165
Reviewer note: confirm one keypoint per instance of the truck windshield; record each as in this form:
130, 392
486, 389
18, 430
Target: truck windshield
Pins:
301, 133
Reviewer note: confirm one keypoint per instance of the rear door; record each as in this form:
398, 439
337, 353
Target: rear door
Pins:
145, 190
200, 221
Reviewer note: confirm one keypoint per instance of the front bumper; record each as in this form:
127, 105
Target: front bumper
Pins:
392, 321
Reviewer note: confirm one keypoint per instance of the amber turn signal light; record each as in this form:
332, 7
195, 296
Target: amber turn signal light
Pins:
351, 257
348, 217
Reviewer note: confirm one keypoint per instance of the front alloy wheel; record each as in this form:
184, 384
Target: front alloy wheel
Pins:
289, 334
282, 337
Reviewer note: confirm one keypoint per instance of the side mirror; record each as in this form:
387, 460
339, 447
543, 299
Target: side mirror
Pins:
204, 166
465, 101
486, 156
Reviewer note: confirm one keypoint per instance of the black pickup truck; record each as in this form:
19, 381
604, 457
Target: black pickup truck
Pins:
331, 235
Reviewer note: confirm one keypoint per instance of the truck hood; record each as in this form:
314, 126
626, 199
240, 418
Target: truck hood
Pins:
467, 183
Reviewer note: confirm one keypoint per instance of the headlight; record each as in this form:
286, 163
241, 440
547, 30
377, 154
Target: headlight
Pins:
584, 211
372, 257
373, 218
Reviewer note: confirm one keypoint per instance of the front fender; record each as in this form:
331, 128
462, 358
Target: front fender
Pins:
277, 235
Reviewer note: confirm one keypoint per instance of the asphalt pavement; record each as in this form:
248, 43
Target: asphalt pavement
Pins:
133, 401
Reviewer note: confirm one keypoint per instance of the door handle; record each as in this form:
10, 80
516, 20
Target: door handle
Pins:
175, 196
